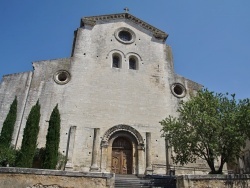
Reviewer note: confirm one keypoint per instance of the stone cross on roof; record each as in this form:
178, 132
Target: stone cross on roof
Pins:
126, 9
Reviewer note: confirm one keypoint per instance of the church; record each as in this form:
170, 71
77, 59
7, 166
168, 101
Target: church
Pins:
111, 93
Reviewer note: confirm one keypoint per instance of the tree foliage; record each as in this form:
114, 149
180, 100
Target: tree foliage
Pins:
8, 125
38, 158
210, 126
7, 155
26, 154
52, 140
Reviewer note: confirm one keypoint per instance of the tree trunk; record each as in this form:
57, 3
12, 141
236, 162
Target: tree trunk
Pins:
213, 171
222, 162
211, 165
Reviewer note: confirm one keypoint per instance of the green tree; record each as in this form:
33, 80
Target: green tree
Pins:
7, 155
52, 140
7, 152
210, 126
8, 125
26, 154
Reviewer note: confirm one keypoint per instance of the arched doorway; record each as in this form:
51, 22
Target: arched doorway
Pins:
122, 159
122, 149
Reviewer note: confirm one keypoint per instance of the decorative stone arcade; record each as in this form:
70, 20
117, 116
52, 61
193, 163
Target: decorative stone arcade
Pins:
122, 151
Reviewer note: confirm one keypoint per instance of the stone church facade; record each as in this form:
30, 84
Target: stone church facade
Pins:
111, 93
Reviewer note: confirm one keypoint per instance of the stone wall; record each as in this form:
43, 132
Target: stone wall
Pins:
40, 178
214, 181
14, 85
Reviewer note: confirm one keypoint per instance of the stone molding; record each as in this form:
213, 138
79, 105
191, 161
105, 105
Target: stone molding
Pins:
89, 21
215, 177
115, 51
132, 34
213, 180
134, 54
14, 170
93, 19
125, 128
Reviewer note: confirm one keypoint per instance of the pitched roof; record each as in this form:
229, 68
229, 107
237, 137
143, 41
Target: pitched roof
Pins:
91, 20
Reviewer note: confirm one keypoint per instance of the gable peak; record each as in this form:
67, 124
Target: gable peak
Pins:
91, 20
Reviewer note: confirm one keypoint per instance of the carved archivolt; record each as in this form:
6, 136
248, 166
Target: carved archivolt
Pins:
116, 51
134, 54
124, 55
124, 128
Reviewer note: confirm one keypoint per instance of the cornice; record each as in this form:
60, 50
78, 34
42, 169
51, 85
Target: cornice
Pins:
93, 19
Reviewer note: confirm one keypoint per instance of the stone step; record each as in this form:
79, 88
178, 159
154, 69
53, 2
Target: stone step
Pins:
131, 181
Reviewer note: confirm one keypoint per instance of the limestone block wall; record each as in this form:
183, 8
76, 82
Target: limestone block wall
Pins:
27, 178
14, 85
47, 91
213, 181
243, 163
109, 96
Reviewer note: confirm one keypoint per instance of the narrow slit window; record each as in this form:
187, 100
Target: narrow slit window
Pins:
132, 64
116, 62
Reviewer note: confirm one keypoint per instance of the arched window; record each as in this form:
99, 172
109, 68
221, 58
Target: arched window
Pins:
116, 61
133, 63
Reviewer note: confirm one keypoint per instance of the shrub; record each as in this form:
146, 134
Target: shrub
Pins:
28, 148
52, 140
7, 155
8, 125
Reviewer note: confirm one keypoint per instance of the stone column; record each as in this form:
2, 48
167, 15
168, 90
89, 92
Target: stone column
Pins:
169, 162
104, 156
95, 150
148, 153
141, 159
20, 121
167, 157
70, 148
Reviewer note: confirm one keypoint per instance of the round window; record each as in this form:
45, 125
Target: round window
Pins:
125, 35
178, 90
62, 77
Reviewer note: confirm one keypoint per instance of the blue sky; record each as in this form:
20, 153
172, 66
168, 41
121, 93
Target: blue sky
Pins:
210, 39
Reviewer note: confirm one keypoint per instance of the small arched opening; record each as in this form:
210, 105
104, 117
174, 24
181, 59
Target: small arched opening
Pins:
133, 63
116, 60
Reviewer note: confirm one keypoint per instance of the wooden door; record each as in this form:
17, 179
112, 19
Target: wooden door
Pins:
122, 156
